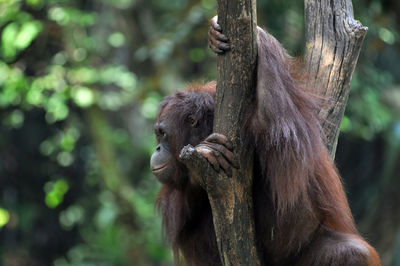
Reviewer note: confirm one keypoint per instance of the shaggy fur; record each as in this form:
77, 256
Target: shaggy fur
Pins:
301, 212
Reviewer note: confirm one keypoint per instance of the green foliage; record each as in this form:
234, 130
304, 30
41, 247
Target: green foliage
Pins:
369, 115
18, 35
4, 217
51, 64
55, 191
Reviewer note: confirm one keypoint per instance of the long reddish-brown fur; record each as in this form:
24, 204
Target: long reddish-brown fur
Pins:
301, 212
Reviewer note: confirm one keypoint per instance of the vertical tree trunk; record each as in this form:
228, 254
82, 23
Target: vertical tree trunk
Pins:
233, 218
333, 43
231, 197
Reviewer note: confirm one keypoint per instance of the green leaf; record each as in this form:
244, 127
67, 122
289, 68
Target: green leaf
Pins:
83, 96
346, 124
27, 34
7, 40
55, 192
116, 39
4, 217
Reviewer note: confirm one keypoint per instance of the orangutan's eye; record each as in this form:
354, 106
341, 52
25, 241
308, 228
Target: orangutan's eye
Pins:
192, 121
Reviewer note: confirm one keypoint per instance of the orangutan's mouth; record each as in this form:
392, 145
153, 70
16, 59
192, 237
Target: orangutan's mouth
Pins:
157, 169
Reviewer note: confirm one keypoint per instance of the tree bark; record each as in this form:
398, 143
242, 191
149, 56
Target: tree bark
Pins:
333, 43
231, 197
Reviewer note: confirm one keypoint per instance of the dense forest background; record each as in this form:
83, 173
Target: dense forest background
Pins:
80, 82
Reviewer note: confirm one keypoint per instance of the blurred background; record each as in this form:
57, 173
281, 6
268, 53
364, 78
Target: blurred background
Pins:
80, 83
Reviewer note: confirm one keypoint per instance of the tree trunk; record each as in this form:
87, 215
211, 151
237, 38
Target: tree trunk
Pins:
333, 43
231, 197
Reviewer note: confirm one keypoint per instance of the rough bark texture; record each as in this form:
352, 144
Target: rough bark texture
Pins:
231, 198
333, 43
